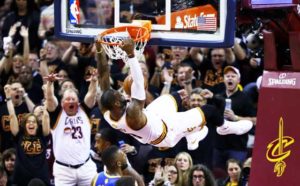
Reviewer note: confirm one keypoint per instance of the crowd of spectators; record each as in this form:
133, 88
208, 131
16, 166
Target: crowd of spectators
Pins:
33, 63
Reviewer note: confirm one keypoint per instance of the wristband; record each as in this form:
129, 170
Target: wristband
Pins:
7, 99
167, 85
25, 95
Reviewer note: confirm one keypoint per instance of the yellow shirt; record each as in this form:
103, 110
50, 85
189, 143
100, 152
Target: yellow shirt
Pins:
232, 184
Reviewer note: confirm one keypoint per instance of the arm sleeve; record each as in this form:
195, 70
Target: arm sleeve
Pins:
137, 87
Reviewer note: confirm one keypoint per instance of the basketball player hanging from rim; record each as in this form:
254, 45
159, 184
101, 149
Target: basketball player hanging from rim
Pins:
159, 124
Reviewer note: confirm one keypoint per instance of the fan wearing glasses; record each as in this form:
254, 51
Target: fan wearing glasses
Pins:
200, 175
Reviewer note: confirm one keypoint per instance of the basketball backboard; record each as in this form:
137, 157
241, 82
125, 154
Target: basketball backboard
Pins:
205, 23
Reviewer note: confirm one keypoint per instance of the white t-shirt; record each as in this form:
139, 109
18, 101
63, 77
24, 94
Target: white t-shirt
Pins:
72, 138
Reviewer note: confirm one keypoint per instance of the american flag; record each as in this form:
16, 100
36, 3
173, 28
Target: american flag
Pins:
207, 23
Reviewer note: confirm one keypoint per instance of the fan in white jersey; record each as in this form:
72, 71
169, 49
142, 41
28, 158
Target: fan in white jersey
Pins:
159, 124
71, 132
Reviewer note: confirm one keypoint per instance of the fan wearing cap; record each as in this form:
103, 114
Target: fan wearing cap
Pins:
232, 92
232, 78
234, 144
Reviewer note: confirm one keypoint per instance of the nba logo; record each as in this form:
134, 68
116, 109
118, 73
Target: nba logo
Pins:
74, 11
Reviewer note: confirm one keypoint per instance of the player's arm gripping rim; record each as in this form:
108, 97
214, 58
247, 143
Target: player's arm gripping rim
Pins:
134, 114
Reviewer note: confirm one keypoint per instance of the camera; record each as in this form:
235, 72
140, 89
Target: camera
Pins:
258, 55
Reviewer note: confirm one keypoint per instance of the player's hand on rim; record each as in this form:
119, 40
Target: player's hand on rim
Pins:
97, 40
128, 46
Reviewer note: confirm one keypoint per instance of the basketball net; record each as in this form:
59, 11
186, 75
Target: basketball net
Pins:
111, 39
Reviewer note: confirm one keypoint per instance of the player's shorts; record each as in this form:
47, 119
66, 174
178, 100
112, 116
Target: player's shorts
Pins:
166, 103
177, 124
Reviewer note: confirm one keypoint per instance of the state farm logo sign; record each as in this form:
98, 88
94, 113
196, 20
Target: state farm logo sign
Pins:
282, 80
203, 22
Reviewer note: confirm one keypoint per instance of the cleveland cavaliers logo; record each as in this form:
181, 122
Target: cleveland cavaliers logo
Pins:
276, 150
